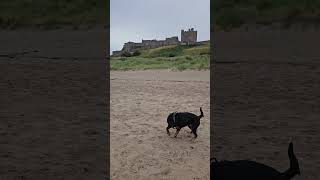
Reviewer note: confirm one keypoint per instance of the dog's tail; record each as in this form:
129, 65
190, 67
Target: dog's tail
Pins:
294, 164
201, 115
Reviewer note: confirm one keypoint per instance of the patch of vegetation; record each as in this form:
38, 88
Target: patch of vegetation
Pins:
176, 50
136, 53
228, 14
200, 62
165, 51
178, 57
52, 14
126, 54
198, 50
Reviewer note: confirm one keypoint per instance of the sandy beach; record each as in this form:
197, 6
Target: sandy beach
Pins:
140, 104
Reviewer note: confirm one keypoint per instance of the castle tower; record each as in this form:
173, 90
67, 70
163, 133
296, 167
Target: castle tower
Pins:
189, 37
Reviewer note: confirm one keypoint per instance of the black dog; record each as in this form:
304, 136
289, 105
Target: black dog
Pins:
251, 170
179, 120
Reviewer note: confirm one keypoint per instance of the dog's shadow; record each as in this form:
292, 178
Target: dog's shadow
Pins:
251, 170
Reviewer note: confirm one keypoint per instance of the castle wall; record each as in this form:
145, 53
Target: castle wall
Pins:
131, 46
189, 37
116, 52
158, 43
172, 41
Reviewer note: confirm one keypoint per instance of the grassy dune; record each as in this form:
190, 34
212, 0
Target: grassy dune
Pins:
167, 57
176, 50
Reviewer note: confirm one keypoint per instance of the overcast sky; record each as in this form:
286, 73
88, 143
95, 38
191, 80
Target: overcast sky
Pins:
134, 20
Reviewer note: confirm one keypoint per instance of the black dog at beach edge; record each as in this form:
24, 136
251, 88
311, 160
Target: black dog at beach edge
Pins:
251, 170
179, 120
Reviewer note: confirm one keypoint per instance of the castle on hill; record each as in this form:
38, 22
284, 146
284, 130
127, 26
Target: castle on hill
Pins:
187, 38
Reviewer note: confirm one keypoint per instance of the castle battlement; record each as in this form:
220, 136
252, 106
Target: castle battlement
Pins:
187, 38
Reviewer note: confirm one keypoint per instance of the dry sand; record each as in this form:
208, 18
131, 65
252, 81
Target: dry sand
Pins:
259, 107
140, 104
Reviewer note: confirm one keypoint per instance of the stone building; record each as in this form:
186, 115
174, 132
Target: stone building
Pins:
148, 44
172, 41
116, 53
131, 46
189, 37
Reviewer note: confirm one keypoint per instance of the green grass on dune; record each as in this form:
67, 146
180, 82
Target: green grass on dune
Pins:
179, 57
198, 50
165, 51
200, 62
176, 50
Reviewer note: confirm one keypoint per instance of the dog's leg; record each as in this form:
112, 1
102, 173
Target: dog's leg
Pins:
168, 132
190, 128
178, 129
195, 133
